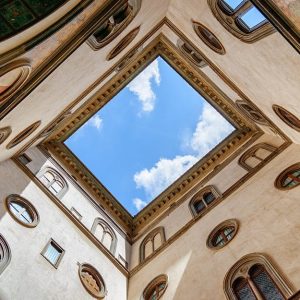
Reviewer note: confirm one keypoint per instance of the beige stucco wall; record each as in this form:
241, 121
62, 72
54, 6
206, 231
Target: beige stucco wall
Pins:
269, 220
29, 275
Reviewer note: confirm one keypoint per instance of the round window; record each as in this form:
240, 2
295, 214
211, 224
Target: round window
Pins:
22, 211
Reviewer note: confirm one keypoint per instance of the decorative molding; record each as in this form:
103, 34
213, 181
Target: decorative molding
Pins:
242, 267
225, 224
106, 229
199, 197
287, 117
123, 43
20, 137
114, 27
191, 53
31, 210
284, 174
89, 276
230, 21
208, 37
160, 279
5, 254
251, 152
150, 238
4, 133
23, 68
251, 112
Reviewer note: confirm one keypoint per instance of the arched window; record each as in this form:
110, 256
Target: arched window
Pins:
22, 210
254, 277
287, 117
114, 25
242, 19
222, 234
5, 254
156, 288
203, 200
54, 182
92, 281
256, 155
289, 178
155, 239
105, 234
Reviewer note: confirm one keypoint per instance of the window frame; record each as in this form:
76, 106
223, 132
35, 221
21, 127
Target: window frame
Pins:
280, 111
85, 267
108, 229
6, 254
225, 224
241, 268
150, 237
57, 246
231, 20
57, 177
28, 206
283, 175
208, 207
153, 284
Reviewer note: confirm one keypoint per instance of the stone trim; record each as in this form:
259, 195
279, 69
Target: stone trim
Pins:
5, 254
157, 280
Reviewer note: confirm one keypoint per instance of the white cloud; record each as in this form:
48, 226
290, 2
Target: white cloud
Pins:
139, 204
210, 130
96, 122
142, 88
165, 171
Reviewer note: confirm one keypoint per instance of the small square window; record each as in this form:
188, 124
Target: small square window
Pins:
53, 253
76, 213
24, 159
252, 18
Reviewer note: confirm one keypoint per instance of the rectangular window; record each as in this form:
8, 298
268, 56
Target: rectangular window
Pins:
76, 213
53, 253
123, 261
24, 159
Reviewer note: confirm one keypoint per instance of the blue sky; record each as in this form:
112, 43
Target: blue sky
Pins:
148, 135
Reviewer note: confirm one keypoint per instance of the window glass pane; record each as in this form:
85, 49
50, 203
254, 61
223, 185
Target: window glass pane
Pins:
52, 253
252, 17
57, 186
242, 290
25, 217
266, 285
15, 208
232, 4
209, 197
199, 206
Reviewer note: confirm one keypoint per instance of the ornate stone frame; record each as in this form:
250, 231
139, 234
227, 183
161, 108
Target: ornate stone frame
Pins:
6, 254
279, 109
241, 268
56, 174
32, 210
154, 282
197, 26
96, 275
114, 242
207, 189
135, 6
282, 175
20, 137
230, 22
160, 46
228, 223
4, 133
150, 236
252, 153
